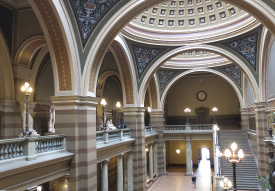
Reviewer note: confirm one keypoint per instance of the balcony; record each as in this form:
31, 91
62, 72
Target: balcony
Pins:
25, 162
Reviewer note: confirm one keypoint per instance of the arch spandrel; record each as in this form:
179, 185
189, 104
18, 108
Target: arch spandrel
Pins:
211, 48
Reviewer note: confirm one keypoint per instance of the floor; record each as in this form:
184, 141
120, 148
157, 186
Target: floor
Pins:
177, 181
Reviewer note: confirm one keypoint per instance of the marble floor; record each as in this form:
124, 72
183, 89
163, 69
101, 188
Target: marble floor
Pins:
177, 181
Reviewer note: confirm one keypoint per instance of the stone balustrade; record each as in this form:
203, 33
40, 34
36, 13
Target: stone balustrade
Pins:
112, 135
29, 148
149, 130
200, 127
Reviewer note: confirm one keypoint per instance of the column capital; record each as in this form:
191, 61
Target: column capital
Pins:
133, 109
106, 161
259, 105
73, 101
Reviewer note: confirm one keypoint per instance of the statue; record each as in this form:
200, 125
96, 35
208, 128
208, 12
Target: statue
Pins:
51, 121
110, 125
271, 171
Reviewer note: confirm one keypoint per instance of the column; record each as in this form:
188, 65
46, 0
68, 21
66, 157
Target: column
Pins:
11, 119
244, 119
157, 120
134, 119
130, 171
120, 172
104, 179
155, 148
76, 117
189, 167
151, 172
261, 130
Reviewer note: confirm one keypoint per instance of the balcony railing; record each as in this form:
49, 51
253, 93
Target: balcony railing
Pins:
150, 130
30, 148
182, 128
112, 135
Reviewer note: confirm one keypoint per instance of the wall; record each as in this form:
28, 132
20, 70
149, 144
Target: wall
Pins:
112, 93
250, 95
27, 26
220, 94
271, 74
180, 158
108, 64
46, 85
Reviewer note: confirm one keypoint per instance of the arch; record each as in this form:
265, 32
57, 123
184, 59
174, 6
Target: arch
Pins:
154, 94
172, 82
263, 12
6, 73
27, 51
58, 32
102, 79
210, 48
264, 52
126, 69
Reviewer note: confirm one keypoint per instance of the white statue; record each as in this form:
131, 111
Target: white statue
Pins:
51, 121
110, 125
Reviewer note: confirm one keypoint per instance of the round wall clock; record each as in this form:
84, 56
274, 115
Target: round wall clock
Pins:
201, 95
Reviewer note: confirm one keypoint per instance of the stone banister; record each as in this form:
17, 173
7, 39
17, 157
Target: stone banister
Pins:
112, 135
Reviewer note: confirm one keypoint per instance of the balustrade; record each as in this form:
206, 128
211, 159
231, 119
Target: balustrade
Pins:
112, 135
29, 148
171, 128
149, 130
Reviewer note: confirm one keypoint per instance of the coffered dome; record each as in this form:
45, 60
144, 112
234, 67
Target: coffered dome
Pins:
205, 19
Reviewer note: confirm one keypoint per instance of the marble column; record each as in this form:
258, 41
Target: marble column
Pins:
11, 119
134, 118
76, 117
189, 167
157, 120
244, 118
155, 148
104, 179
120, 173
151, 167
261, 130
130, 171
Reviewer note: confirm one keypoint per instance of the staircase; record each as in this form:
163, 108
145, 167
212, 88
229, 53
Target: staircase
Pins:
246, 170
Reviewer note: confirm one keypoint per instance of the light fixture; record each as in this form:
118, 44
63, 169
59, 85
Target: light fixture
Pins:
146, 149
234, 159
118, 105
26, 89
187, 110
225, 184
216, 127
215, 110
39, 188
103, 103
178, 151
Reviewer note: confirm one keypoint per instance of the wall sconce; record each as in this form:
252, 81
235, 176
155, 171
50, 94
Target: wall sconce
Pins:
178, 151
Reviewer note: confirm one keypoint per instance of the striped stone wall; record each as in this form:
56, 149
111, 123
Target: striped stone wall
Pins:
261, 130
11, 119
134, 118
76, 117
158, 120
244, 119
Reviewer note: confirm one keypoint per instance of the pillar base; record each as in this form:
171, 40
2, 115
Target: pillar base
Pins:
189, 174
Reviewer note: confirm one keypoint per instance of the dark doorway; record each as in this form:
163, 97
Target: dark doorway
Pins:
202, 115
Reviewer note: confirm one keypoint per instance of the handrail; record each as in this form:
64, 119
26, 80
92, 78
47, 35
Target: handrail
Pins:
112, 135
188, 127
149, 130
30, 148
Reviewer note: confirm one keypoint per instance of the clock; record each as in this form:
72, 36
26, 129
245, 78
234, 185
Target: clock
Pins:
201, 95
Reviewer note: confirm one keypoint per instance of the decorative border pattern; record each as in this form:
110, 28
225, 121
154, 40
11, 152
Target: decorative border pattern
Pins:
234, 72
247, 47
143, 57
165, 76
88, 13
58, 44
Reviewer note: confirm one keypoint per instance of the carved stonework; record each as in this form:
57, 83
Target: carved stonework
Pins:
234, 72
143, 57
247, 47
88, 14
165, 76
58, 44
